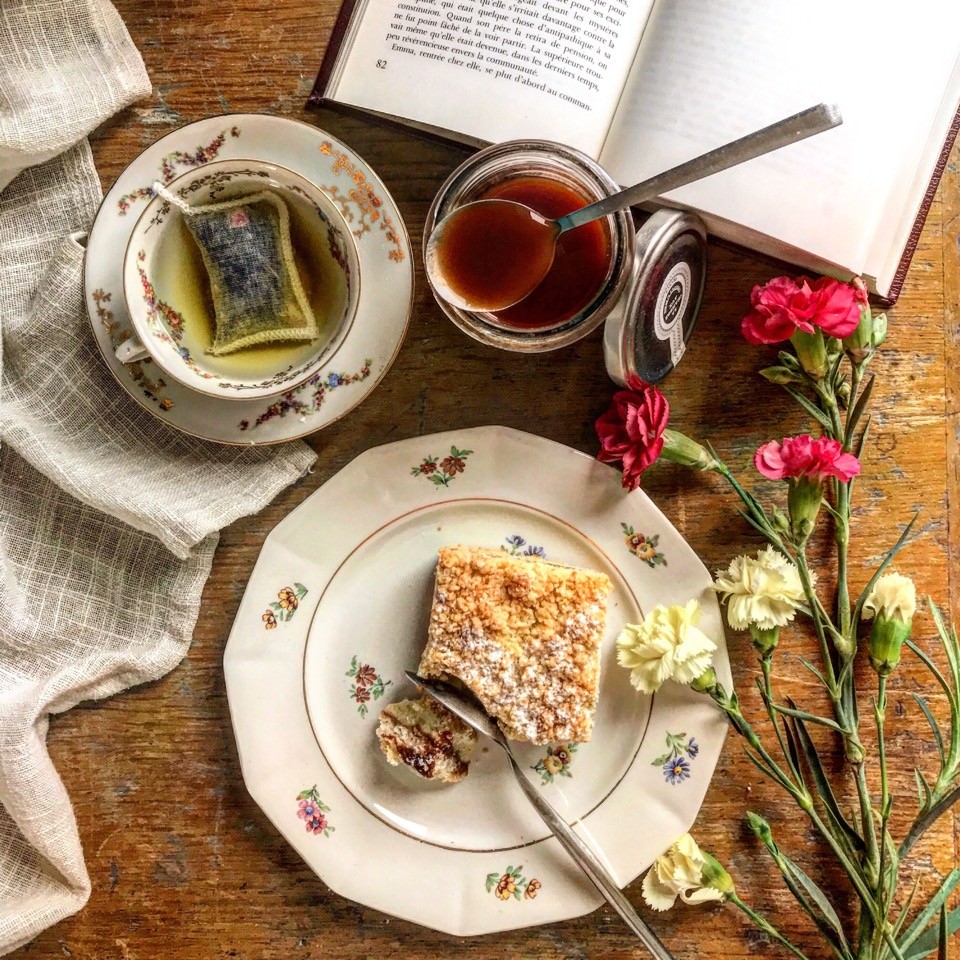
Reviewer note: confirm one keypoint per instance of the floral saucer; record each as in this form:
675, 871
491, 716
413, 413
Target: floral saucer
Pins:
386, 267
336, 609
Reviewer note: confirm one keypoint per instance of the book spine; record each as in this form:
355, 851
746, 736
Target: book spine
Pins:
890, 297
319, 92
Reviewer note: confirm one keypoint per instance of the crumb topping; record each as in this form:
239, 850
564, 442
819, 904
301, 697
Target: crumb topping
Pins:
523, 635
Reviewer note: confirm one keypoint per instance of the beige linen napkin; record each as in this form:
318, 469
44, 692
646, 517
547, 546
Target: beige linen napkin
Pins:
108, 519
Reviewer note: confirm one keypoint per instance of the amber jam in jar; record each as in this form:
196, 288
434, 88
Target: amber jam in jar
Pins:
580, 263
592, 262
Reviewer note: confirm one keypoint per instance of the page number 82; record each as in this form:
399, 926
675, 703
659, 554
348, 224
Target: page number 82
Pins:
381, 64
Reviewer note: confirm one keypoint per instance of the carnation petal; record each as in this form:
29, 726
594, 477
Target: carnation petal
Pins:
657, 895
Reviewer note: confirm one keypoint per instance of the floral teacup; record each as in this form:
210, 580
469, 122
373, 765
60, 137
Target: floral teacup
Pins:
168, 296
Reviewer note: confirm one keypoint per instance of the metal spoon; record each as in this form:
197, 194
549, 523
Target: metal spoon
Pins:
493, 278
471, 713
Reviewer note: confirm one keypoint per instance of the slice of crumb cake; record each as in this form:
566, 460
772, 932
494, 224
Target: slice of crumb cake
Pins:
426, 737
523, 635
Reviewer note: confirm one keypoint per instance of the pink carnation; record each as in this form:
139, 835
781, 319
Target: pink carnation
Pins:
784, 306
805, 456
631, 430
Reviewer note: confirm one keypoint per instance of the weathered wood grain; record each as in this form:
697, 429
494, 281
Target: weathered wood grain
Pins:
184, 865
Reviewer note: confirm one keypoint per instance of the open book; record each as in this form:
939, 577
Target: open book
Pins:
642, 85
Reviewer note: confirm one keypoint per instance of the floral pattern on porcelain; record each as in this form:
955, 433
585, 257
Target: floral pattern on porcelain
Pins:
442, 471
171, 161
167, 323
367, 684
316, 387
675, 763
556, 763
284, 607
361, 199
517, 546
643, 547
152, 389
313, 812
512, 883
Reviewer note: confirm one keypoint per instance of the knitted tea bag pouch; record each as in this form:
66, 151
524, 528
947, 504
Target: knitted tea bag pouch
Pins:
257, 293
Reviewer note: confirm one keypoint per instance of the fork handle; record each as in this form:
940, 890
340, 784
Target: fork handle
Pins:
591, 865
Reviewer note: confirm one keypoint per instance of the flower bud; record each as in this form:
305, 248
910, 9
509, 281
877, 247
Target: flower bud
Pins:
779, 375
679, 448
892, 603
886, 639
870, 332
812, 353
780, 522
803, 500
706, 682
714, 875
843, 394
759, 827
764, 641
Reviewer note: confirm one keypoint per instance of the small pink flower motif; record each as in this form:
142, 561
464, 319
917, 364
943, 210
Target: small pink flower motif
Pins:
313, 818
239, 218
806, 456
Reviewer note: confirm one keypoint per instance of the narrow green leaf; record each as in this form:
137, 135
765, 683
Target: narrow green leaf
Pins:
923, 791
948, 638
810, 407
923, 918
931, 939
905, 912
806, 663
944, 934
820, 900
795, 754
822, 781
856, 412
932, 667
922, 704
862, 442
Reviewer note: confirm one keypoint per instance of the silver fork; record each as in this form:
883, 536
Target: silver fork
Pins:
471, 713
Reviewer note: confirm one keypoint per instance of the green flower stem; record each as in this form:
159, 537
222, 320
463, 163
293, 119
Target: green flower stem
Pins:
763, 924
800, 795
816, 615
765, 664
842, 536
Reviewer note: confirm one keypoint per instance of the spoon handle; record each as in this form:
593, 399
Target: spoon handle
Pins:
591, 865
780, 134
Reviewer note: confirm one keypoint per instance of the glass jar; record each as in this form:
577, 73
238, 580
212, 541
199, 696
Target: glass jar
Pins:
532, 158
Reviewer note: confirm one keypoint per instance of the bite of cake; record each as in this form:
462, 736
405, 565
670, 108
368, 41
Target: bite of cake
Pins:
426, 737
523, 635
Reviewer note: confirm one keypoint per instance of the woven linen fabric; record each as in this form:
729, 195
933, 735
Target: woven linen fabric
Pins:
108, 518
65, 66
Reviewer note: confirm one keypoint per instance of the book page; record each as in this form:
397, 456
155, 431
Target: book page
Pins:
709, 71
494, 69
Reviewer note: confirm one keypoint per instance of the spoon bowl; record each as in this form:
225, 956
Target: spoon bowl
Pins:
487, 255
517, 244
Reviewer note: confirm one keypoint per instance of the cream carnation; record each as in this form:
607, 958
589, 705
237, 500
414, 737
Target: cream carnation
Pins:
894, 597
764, 590
678, 873
667, 645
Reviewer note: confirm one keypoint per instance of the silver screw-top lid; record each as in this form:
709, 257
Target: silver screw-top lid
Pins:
646, 333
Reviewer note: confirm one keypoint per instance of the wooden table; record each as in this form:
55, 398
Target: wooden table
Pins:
184, 865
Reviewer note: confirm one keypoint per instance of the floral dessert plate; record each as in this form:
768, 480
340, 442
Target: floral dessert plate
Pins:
337, 608
386, 269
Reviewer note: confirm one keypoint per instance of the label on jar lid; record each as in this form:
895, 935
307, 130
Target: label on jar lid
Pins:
646, 334
671, 307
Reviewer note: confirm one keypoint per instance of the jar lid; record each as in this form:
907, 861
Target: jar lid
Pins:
646, 333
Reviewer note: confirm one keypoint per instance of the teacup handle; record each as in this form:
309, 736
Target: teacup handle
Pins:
132, 350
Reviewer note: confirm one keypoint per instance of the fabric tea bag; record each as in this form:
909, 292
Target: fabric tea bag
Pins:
255, 285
